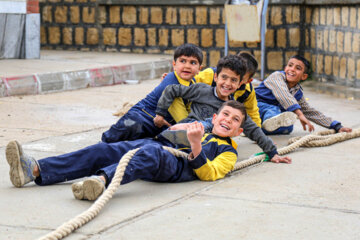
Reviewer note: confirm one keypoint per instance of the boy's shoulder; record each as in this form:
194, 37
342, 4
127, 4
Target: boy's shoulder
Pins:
222, 142
276, 74
206, 76
246, 87
170, 76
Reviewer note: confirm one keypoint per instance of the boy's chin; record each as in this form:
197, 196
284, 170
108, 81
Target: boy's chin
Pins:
224, 135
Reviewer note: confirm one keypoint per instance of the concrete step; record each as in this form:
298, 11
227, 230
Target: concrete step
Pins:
69, 70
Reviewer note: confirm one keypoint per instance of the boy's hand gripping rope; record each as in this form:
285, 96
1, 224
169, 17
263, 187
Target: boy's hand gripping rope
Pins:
319, 139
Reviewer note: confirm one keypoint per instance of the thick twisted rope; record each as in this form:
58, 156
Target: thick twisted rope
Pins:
324, 138
320, 139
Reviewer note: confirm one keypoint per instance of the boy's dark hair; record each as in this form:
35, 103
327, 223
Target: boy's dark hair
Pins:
237, 105
251, 63
234, 63
305, 62
189, 50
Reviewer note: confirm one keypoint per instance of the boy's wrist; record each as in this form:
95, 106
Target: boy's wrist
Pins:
195, 150
299, 113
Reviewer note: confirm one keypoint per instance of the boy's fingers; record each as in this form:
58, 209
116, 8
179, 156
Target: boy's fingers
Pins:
167, 124
286, 160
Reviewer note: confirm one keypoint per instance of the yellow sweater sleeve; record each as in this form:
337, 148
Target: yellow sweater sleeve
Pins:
178, 110
250, 104
252, 108
217, 168
206, 76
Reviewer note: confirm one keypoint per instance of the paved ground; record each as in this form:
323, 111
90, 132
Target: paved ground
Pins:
315, 197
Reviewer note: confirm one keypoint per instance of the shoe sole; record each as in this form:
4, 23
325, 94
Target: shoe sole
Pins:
285, 119
89, 189
176, 137
16, 173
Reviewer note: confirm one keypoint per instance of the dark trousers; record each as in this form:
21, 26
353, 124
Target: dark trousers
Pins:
135, 124
268, 111
151, 162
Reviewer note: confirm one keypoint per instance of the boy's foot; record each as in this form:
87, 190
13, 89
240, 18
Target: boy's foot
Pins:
21, 165
178, 137
284, 119
89, 189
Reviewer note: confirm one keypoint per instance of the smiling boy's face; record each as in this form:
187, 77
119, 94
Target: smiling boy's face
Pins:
227, 82
295, 72
186, 67
227, 123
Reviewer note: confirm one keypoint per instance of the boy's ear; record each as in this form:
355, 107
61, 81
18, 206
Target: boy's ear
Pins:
238, 132
213, 118
304, 76
173, 63
215, 77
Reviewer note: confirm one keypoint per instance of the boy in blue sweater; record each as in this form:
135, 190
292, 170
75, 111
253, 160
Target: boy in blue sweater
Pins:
211, 157
138, 121
281, 101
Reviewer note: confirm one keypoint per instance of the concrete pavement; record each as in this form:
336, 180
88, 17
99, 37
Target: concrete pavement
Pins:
315, 197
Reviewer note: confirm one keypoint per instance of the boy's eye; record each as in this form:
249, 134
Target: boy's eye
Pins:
234, 80
193, 62
182, 60
224, 76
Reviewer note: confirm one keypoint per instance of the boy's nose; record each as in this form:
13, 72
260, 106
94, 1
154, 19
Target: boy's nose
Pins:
228, 82
228, 119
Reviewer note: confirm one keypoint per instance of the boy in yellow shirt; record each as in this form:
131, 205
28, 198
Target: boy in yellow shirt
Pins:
138, 121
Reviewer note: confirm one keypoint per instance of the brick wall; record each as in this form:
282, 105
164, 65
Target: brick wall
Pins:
328, 35
332, 44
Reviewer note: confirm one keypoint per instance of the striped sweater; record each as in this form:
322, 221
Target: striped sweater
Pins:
274, 90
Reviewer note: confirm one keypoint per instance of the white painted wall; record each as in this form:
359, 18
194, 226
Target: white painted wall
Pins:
13, 6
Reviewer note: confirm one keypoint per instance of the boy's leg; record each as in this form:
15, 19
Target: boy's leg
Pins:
21, 165
135, 124
152, 162
89, 189
84, 162
274, 121
280, 130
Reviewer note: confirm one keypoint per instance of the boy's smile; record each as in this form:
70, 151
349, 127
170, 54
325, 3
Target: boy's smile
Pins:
295, 72
186, 67
227, 122
226, 83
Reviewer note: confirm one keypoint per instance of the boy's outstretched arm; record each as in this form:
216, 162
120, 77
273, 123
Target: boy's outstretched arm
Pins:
304, 121
195, 132
255, 133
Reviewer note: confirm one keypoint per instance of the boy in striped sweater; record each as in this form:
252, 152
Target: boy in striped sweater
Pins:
281, 101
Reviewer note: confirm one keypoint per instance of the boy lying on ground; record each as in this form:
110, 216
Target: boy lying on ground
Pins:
211, 157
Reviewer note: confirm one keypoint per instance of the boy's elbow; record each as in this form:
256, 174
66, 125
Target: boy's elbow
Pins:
209, 176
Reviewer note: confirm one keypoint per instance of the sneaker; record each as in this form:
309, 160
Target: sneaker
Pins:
21, 165
89, 189
177, 137
284, 119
